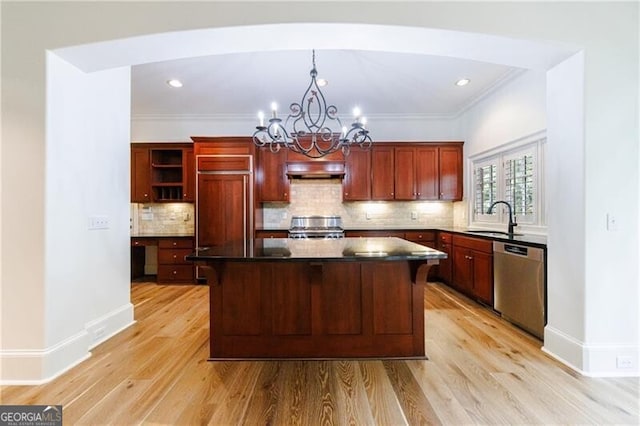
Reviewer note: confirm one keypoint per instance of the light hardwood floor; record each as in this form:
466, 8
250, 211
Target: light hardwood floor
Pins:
480, 371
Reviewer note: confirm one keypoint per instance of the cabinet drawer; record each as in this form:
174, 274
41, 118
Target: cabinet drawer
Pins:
165, 243
142, 241
173, 256
175, 273
445, 237
371, 234
473, 243
272, 234
420, 237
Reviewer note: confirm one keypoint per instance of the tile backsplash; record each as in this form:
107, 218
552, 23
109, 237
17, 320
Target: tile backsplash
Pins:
162, 218
324, 197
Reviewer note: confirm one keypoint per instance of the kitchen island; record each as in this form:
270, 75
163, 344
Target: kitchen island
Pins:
317, 298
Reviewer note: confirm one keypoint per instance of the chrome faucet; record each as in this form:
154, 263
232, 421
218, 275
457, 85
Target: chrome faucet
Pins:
512, 223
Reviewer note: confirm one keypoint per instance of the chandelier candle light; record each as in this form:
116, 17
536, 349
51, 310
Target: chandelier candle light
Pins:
315, 129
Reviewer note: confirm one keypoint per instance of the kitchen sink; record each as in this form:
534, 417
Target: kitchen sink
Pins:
493, 233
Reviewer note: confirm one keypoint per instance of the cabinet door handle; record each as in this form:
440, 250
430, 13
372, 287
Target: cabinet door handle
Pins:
175, 244
175, 256
175, 272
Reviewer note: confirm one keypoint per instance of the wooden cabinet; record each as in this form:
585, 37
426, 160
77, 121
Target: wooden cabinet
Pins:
405, 173
445, 267
382, 172
473, 267
223, 209
271, 176
426, 238
272, 234
167, 174
172, 268
428, 172
356, 185
450, 172
380, 233
189, 166
323, 309
416, 171
140, 175
427, 176
162, 172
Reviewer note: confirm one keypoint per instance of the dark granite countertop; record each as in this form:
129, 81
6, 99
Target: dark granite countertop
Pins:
342, 249
531, 240
162, 235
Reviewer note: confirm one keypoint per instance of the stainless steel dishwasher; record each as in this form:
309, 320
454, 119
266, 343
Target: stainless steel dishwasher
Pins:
519, 291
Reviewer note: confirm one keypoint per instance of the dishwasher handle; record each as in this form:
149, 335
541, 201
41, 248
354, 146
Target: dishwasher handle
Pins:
518, 250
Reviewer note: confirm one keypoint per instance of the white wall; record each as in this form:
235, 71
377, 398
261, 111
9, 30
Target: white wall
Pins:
88, 122
606, 31
86, 273
180, 129
512, 111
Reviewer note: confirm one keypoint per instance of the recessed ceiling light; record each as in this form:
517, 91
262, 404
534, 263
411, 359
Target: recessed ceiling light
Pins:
174, 83
462, 82
322, 82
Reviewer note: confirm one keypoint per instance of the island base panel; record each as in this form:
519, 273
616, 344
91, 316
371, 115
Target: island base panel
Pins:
302, 309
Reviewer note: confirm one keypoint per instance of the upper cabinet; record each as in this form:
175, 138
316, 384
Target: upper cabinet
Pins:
382, 172
162, 172
450, 172
271, 175
356, 185
140, 175
416, 171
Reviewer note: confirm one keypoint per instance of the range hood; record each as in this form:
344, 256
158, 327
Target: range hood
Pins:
315, 169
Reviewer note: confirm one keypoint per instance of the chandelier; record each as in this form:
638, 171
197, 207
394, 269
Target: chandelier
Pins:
312, 127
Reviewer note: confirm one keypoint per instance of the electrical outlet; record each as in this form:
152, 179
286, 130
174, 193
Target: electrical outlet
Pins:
414, 215
624, 361
98, 333
612, 222
367, 216
98, 222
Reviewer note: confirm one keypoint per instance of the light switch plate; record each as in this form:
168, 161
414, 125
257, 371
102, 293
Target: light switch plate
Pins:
612, 222
98, 222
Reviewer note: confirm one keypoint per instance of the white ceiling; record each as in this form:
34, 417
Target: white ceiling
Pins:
380, 83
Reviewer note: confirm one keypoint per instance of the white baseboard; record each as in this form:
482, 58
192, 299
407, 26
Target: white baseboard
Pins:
103, 328
592, 360
38, 366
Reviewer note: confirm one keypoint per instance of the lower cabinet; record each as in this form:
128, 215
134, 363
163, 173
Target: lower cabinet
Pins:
444, 269
473, 267
172, 268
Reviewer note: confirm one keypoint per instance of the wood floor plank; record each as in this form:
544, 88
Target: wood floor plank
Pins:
385, 405
293, 394
263, 402
352, 405
480, 370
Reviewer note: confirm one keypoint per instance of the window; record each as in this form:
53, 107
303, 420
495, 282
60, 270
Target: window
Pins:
513, 174
520, 185
485, 186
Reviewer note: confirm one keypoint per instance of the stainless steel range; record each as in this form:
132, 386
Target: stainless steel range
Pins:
316, 227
